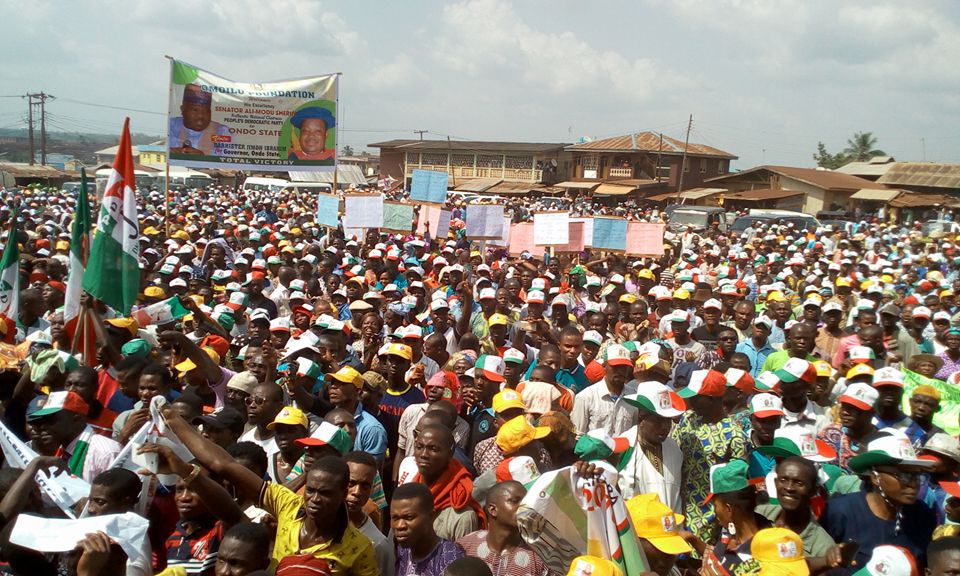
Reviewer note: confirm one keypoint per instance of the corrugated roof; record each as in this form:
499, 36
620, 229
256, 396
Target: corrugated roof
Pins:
913, 200
577, 185
932, 174
864, 168
478, 184
18, 169
762, 194
826, 179
613, 190
470, 145
515, 188
648, 142
876, 195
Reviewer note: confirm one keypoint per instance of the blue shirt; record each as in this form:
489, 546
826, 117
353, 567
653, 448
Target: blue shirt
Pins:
575, 378
371, 435
757, 356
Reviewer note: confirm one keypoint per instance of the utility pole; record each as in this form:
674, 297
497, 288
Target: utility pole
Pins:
420, 132
29, 98
683, 159
923, 147
43, 129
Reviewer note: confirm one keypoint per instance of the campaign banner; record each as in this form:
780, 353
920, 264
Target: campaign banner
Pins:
283, 126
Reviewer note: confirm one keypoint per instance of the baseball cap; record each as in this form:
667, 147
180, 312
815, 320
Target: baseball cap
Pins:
58, 401
888, 376
522, 469
488, 294
507, 399
860, 395
514, 356
136, 347
779, 551
498, 320
713, 303
824, 369
763, 321
742, 380
347, 375
491, 366
618, 355
888, 447
832, 306
517, 433
593, 566
861, 354
128, 324
797, 369
728, 477
328, 434
921, 312
765, 405
397, 349
188, 364
657, 398
535, 297
598, 445
593, 336
860, 370
704, 383
224, 418
290, 416
888, 560
656, 523
680, 316
794, 441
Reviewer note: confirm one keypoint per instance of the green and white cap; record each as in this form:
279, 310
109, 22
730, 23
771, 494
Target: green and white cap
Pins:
890, 447
657, 398
795, 441
729, 477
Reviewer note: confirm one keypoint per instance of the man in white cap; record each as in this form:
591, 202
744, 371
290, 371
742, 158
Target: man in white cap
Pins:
603, 405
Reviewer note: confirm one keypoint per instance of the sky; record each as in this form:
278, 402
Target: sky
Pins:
763, 79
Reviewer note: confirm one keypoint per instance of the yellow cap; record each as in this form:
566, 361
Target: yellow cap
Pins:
628, 298
776, 296
681, 294
656, 522
823, 369
498, 320
128, 324
401, 350
506, 399
646, 273
62, 245
945, 293
290, 416
860, 370
517, 433
181, 235
347, 375
779, 552
154, 292
151, 231
593, 566
188, 364
842, 282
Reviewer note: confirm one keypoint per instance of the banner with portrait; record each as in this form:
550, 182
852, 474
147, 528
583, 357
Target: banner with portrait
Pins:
281, 126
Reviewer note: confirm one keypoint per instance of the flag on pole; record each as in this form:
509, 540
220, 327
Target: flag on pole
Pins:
114, 262
79, 254
161, 312
10, 283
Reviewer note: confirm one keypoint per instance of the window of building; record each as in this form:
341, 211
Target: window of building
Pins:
686, 165
413, 158
703, 165
519, 162
434, 159
721, 167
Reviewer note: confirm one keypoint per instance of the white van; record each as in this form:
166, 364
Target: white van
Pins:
309, 187
258, 184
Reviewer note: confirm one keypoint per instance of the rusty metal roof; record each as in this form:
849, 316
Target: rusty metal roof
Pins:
648, 142
763, 194
826, 179
931, 174
469, 146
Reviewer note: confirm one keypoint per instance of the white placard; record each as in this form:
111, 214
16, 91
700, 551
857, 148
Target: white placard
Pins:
484, 221
587, 230
362, 211
551, 228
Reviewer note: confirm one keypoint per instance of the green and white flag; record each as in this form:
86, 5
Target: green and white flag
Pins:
161, 313
10, 277
113, 270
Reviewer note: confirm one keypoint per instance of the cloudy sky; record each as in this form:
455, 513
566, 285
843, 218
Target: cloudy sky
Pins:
764, 79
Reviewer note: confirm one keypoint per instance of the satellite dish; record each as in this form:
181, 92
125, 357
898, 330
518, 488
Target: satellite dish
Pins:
553, 162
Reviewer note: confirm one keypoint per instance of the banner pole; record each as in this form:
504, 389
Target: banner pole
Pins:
166, 199
81, 326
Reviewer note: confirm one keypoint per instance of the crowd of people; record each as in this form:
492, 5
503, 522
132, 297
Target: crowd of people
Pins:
780, 403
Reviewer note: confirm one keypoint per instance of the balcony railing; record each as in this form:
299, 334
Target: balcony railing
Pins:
508, 174
621, 172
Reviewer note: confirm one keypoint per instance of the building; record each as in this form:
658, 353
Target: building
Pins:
871, 170
923, 177
506, 161
155, 154
647, 160
369, 165
807, 190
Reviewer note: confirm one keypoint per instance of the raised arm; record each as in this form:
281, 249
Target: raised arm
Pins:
188, 348
214, 458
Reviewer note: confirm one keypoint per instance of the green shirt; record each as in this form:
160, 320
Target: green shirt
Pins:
776, 360
816, 541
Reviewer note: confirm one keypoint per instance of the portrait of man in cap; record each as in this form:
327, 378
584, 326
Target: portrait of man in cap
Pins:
309, 140
194, 131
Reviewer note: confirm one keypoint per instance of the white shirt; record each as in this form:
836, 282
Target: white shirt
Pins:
640, 476
269, 445
594, 408
813, 418
382, 547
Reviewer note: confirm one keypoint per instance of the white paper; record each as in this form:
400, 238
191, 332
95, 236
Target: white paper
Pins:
551, 228
362, 211
504, 240
484, 221
42, 534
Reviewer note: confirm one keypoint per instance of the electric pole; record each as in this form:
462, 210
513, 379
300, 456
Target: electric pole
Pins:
43, 129
420, 132
29, 98
683, 160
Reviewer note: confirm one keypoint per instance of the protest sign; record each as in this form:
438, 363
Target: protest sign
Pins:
521, 239
587, 230
397, 217
610, 234
288, 125
434, 218
362, 211
645, 239
328, 210
504, 240
484, 221
429, 186
128, 530
575, 238
551, 228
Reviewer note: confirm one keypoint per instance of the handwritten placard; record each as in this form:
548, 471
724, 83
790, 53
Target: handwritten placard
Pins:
645, 239
551, 228
610, 234
484, 221
328, 210
397, 217
429, 186
363, 210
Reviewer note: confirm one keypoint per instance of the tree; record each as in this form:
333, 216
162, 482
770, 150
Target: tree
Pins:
346, 150
825, 159
860, 148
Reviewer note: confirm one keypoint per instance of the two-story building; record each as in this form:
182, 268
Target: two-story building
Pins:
648, 160
526, 162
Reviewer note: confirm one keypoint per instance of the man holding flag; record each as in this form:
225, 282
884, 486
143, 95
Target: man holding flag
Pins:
76, 323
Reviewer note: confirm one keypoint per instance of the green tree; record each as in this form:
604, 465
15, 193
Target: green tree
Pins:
860, 148
825, 159
346, 150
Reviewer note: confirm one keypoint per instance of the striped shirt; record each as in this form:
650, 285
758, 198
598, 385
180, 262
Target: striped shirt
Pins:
195, 552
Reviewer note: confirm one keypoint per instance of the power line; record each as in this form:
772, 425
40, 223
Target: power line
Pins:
82, 103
